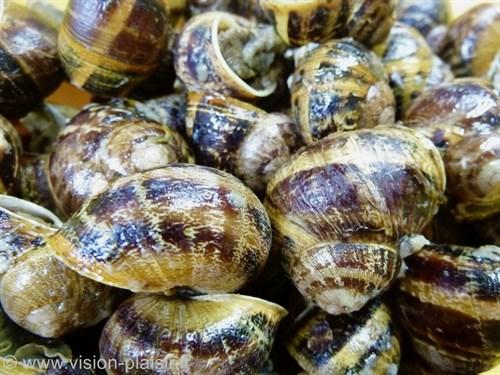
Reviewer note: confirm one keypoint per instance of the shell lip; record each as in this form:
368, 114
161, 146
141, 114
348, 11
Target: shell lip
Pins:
14, 204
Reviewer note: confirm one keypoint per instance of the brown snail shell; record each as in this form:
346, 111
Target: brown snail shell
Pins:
340, 86
104, 142
364, 342
10, 151
108, 48
181, 226
224, 53
340, 205
450, 303
423, 15
237, 137
463, 119
214, 334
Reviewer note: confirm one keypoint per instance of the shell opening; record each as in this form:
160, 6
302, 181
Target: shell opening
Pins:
29, 210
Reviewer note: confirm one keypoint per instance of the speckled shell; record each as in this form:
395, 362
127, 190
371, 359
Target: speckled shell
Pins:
340, 205
449, 301
364, 342
340, 86
463, 118
216, 334
201, 65
411, 65
178, 226
30, 69
169, 110
237, 137
104, 142
109, 47
423, 15
10, 151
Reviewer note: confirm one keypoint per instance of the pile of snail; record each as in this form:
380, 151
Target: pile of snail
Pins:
257, 187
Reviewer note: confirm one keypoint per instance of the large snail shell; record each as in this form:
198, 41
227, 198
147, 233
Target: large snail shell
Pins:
423, 15
33, 181
178, 226
216, 334
104, 142
109, 47
339, 206
364, 342
340, 86
450, 304
228, 54
239, 138
10, 151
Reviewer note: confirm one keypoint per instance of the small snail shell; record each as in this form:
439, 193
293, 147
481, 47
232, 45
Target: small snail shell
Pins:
340, 86
169, 110
364, 342
10, 151
423, 15
180, 226
108, 48
449, 301
228, 54
239, 138
30, 65
339, 206
411, 65
214, 334
104, 142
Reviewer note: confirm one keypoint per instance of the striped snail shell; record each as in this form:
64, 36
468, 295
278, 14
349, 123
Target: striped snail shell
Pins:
239, 138
181, 226
449, 301
468, 134
339, 206
104, 142
224, 53
340, 86
423, 15
364, 342
213, 334
109, 47
10, 151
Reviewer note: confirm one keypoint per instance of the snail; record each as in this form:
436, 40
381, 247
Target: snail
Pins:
364, 342
213, 334
424, 15
10, 151
239, 138
50, 12
30, 69
301, 22
411, 65
108, 48
340, 86
463, 119
103, 142
178, 227
224, 53
449, 302
340, 205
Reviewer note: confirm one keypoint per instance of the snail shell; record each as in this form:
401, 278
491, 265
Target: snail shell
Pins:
423, 15
340, 86
239, 138
104, 142
228, 54
10, 151
339, 206
181, 226
215, 334
449, 301
364, 342
107, 48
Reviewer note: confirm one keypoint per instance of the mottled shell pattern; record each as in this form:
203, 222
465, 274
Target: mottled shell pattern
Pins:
364, 342
213, 334
102, 143
10, 152
339, 206
423, 15
340, 86
182, 226
450, 304
237, 137
463, 119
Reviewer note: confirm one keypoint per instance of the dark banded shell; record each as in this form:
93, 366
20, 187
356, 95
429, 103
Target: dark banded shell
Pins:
10, 151
109, 47
340, 86
181, 226
237, 137
215, 334
102, 143
340, 205
364, 342
423, 15
449, 301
